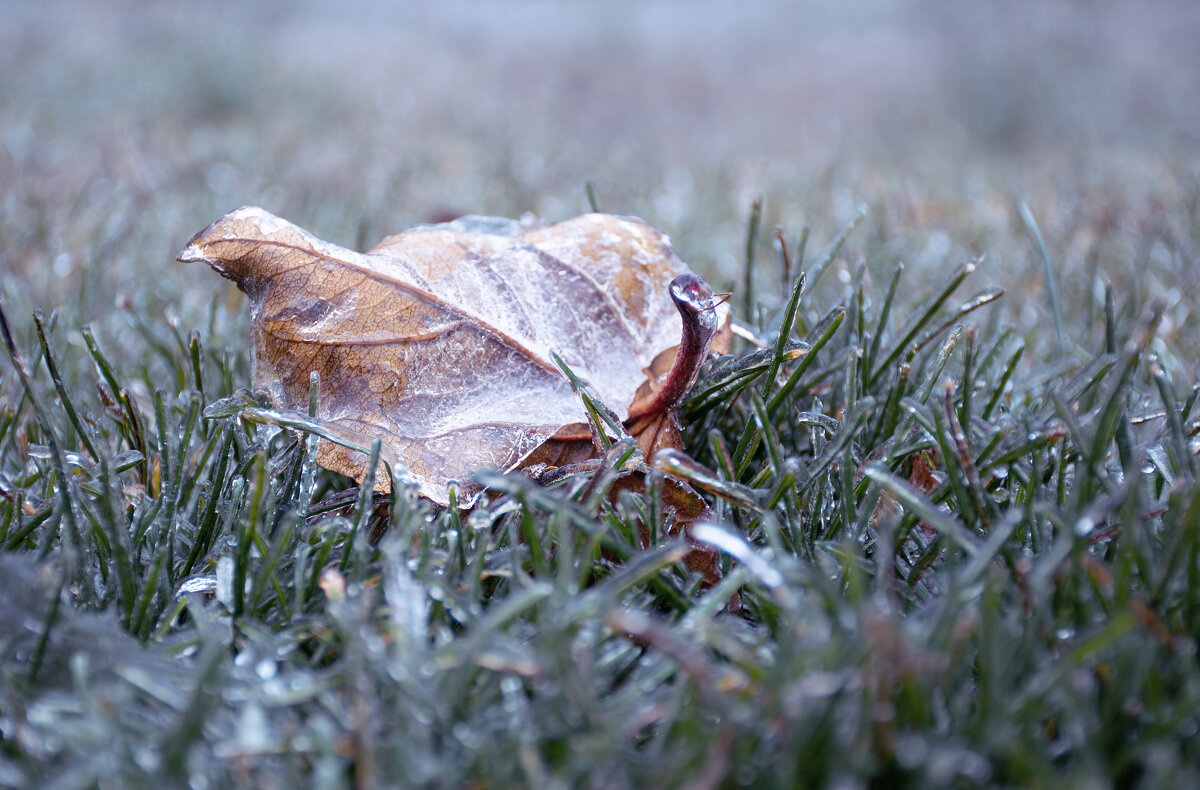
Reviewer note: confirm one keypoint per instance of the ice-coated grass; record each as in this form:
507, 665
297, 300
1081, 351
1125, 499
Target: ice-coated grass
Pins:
955, 554
959, 529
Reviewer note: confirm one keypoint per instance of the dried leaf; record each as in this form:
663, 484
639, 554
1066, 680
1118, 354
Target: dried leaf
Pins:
688, 508
438, 340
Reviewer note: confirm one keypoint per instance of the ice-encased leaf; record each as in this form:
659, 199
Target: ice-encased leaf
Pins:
438, 340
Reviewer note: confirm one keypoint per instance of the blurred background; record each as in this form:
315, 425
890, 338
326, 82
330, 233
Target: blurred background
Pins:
125, 127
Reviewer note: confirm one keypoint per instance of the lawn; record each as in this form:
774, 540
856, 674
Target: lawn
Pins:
952, 460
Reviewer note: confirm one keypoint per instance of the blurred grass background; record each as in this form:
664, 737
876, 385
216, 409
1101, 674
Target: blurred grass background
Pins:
136, 124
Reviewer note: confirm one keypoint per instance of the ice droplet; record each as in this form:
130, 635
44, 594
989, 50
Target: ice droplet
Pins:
265, 669
225, 581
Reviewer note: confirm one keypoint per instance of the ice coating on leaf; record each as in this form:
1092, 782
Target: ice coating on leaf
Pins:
438, 340
475, 223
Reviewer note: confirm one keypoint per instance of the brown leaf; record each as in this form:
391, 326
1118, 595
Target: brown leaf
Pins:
688, 508
652, 419
654, 424
438, 340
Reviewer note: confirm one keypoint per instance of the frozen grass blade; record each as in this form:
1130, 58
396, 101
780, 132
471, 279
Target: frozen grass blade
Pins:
818, 269
675, 463
64, 494
64, 398
925, 314
952, 441
47, 625
603, 419
920, 505
751, 245
1035, 233
362, 511
1001, 385
837, 449
131, 425
885, 315
986, 297
1183, 459
821, 334
206, 531
726, 380
785, 329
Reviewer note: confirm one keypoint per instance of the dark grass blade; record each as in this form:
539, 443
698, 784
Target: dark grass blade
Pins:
924, 315
785, 328
752, 227
820, 335
885, 315
68, 506
920, 505
52, 366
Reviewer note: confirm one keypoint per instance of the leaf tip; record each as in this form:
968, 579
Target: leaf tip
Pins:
191, 253
262, 220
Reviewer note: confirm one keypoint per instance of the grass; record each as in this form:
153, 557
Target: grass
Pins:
956, 553
959, 527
